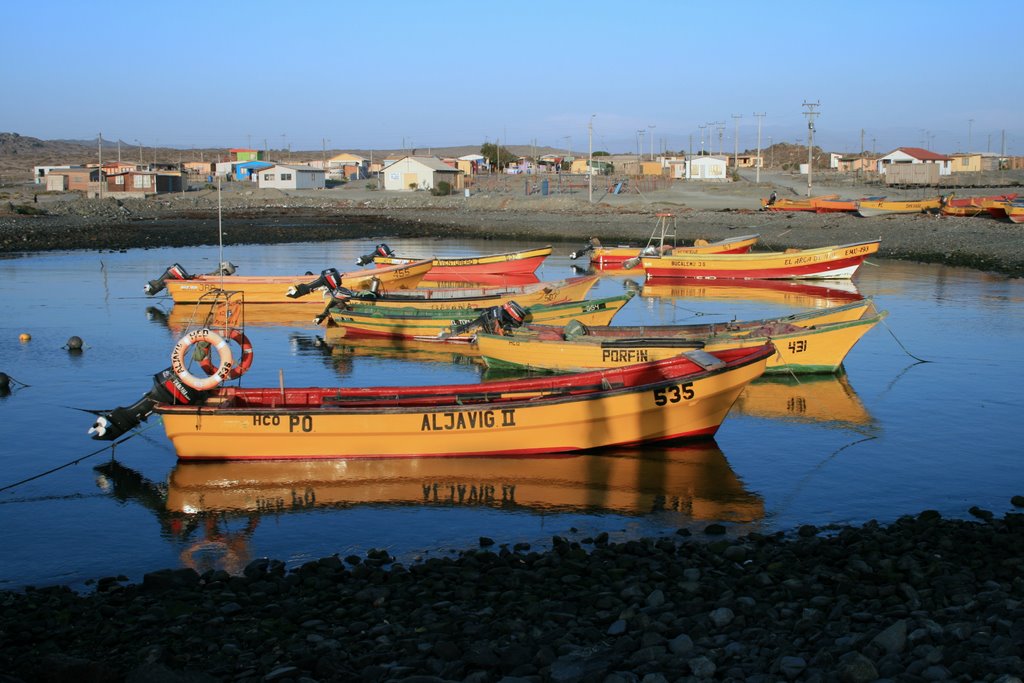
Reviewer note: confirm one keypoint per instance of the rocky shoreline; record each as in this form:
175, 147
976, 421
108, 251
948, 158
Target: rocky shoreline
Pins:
272, 217
923, 599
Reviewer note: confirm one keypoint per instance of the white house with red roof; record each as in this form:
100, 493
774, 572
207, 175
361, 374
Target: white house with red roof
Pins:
916, 155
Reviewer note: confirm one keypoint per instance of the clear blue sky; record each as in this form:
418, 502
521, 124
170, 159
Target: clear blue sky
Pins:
402, 74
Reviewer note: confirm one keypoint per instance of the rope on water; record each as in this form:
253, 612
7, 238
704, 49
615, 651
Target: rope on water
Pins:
919, 360
76, 461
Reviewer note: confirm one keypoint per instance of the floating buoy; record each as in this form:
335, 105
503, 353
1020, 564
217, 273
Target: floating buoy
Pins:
74, 344
24, 337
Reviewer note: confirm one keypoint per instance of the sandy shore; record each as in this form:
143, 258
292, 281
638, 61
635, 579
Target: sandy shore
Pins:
503, 208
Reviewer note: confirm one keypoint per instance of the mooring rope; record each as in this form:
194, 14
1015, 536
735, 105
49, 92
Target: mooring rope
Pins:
76, 461
919, 360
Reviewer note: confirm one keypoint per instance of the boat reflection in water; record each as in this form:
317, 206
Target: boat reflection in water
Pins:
213, 509
798, 293
825, 399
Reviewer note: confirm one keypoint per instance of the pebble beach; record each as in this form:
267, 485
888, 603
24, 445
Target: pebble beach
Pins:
924, 598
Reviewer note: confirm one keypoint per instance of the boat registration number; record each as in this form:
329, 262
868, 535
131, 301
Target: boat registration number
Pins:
673, 393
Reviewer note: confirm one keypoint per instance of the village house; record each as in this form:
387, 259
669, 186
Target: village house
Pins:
142, 183
242, 154
706, 168
73, 179
347, 166
39, 173
914, 155
421, 173
291, 177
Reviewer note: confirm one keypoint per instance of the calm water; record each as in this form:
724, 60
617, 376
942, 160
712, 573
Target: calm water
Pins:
892, 436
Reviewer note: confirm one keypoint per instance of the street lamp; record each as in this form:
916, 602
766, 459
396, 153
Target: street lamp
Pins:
639, 149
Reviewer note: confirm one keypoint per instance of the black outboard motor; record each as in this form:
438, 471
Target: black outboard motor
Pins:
586, 249
340, 296
495, 320
174, 272
330, 278
167, 388
381, 250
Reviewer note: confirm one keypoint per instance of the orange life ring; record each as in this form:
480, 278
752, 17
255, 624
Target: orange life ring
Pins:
237, 336
227, 361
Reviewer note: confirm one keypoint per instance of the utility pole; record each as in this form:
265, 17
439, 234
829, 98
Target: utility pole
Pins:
650, 126
970, 125
736, 142
861, 164
590, 159
702, 127
721, 131
99, 170
757, 174
810, 114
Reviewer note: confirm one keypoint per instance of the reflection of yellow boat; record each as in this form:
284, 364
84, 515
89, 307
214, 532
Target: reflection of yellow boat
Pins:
413, 323
816, 349
828, 399
695, 480
273, 289
437, 351
800, 293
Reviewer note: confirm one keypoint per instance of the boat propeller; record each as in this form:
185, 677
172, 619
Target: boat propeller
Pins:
329, 278
167, 388
381, 250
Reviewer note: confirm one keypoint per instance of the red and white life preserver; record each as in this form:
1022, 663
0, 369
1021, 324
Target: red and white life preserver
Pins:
227, 361
245, 360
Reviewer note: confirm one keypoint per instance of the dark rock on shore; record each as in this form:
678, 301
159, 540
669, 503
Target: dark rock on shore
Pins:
924, 599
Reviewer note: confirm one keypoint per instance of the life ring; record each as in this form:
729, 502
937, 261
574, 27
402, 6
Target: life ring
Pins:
227, 361
237, 336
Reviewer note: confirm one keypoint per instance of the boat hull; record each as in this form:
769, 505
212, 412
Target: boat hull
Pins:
273, 289
639, 404
412, 324
835, 262
547, 293
512, 263
818, 349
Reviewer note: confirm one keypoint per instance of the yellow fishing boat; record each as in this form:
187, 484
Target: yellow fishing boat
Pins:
808, 204
458, 325
820, 348
883, 207
285, 289
687, 396
823, 399
834, 262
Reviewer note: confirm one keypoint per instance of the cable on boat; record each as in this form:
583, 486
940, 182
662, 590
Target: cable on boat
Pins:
111, 447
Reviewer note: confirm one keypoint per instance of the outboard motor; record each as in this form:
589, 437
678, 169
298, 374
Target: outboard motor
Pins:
589, 247
167, 388
330, 278
381, 250
496, 320
340, 296
174, 272
225, 268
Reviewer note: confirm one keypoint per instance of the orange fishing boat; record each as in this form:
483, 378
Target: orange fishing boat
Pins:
685, 397
793, 204
662, 241
522, 262
976, 206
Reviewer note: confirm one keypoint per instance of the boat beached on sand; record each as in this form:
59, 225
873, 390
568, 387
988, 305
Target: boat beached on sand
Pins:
685, 397
835, 262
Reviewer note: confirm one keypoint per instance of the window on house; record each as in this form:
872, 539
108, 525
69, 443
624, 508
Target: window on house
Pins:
141, 182
268, 176
286, 176
119, 180
963, 161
